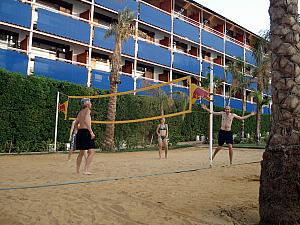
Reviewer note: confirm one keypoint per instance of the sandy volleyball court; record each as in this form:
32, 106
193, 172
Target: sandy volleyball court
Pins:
131, 188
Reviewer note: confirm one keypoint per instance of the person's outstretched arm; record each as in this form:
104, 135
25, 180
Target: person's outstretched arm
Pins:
206, 109
244, 117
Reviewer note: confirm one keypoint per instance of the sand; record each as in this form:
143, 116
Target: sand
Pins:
131, 188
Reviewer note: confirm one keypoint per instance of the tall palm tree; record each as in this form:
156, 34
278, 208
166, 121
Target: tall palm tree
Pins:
121, 30
239, 84
262, 55
279, 195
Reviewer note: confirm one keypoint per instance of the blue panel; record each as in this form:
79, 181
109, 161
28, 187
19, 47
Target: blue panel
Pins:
64, 26
234, 49
155, 17
219, 100
185, 29
205, 68
253, 86
118, 5
186, 63
250, 107
250, 57
109, 43
15, 12
13, 61
229, 77
219, 72
100, 41
127, 83
236, 103
212, 40
100, 79
128, 47
154, 53
60, 70
266, 110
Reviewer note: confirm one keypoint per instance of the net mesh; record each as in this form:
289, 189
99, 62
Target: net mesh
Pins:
150, 101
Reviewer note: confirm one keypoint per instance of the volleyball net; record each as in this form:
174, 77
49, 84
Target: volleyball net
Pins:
149, 101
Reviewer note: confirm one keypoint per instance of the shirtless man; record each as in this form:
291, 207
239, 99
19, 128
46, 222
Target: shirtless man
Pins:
225, 134
85, 136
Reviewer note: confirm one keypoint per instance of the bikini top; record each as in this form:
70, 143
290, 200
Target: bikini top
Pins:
163, 127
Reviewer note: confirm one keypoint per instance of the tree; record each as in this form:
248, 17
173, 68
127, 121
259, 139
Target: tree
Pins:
262, 55
121, 30
239, 85
279, 194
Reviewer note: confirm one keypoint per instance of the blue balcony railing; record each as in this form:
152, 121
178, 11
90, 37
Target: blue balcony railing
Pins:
15, 12
60, 71
109, 43
219, 72
250, 57
250, 107
13, 61
205, 68
236, 103
119, 5
187, 30
266, 110
219, 100
186, 63
154, 53
234, 49
63, 26
100, 79
212, 40
155, 17
229, 77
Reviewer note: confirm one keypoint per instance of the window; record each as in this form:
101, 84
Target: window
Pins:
60, 50
9, 38
58, 5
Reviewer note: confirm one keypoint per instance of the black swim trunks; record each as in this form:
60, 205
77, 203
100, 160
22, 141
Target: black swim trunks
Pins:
84, 140
225, 136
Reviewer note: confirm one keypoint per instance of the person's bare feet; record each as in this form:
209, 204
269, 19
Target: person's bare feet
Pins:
87, 173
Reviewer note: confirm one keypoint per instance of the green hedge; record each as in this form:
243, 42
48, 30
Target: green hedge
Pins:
28, 116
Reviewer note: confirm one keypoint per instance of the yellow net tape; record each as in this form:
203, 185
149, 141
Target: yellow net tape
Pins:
189, 110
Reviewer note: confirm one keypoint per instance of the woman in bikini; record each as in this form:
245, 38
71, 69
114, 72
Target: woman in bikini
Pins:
162, 133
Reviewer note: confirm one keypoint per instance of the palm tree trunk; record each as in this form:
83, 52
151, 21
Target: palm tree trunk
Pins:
279, 195
109, 142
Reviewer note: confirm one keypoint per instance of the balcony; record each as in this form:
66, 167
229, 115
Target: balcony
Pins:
13, 61
219, 101
212, 40
118, 5
59, 70
250, 57
250, 107
100, 79
15, 12
154, 53
63, 26
186, 30
155, 17
109, 43
234, 49
219, 72
186, 63
236, 103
